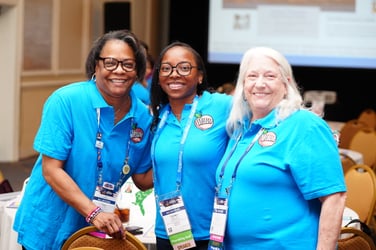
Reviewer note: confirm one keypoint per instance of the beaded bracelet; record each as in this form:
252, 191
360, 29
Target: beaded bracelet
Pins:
93, 214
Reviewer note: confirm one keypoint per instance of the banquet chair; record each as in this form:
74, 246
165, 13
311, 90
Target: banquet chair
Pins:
5, 186
347, 162
83, 238
355, 239
347, 132
364, 142
361, 191
368, 116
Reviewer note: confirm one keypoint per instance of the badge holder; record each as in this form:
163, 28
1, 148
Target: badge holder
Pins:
218, 224
176, 221
105, 198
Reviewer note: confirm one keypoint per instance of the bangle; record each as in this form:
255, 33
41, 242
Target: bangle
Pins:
93, 214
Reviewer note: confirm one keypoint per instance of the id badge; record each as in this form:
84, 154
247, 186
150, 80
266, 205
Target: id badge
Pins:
176, 221
105, 197
218, 223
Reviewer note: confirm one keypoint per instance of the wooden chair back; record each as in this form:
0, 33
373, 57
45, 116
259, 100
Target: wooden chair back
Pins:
348, 130
361, 191
83, 238
364, 142
368, 117
355, 239
347, 162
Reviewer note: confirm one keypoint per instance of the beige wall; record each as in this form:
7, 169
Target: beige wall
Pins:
74, 24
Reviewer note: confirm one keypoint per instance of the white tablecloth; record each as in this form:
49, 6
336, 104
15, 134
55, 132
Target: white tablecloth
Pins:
348, 215
8, 237
142, 214
356, 156
334, 125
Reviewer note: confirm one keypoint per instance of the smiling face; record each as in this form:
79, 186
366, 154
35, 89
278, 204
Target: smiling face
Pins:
180, 88
115, 84
263, 86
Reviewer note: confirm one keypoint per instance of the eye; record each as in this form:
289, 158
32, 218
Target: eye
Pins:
271, 76
110, 62
252, 76
185, 67
129, 65
165, 68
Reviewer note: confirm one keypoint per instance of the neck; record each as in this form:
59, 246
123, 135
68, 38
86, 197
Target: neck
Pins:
177, 105
121, 108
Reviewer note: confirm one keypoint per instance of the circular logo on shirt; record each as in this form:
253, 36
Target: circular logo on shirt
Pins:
204, 122
137, 134
267, 139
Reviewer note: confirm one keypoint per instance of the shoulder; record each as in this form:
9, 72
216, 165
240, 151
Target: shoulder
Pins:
216, 99
72, 92
308, 121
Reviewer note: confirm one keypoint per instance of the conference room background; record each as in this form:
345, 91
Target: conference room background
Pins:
354, 86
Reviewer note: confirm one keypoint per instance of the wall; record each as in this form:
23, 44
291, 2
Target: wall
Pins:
51, 52
10, 31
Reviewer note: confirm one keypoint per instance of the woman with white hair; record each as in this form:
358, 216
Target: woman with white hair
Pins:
280, 180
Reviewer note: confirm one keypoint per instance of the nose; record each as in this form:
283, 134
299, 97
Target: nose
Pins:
174, 72
260, 81
119, 66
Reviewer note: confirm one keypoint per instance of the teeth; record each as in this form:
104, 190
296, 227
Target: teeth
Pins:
175, 86
117, 80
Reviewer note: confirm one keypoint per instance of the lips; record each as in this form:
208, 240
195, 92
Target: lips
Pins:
175, 86
260, 94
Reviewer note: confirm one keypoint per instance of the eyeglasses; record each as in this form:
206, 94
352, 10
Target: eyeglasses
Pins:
111, 64
182, 68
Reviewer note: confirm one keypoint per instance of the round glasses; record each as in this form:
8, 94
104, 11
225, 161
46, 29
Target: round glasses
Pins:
111, 64
182, 68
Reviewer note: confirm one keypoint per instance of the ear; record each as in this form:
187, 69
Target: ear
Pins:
200, 77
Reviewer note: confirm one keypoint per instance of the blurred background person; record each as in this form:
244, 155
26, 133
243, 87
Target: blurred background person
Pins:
142, 88
226, 88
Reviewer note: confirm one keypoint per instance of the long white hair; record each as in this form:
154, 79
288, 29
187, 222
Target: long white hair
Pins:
240, 109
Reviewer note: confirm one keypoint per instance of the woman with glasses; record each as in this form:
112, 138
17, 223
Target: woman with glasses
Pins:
93, 136
189, 140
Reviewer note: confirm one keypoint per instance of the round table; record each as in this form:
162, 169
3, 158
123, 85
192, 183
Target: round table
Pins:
8, 238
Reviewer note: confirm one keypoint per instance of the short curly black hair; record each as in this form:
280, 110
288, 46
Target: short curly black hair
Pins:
123, 35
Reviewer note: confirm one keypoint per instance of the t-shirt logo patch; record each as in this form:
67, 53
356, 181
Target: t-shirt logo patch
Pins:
204, 122
267, 139
137, 134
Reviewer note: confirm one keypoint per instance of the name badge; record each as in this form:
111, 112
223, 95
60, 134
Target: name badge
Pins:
176, 222
218, 223
105, 197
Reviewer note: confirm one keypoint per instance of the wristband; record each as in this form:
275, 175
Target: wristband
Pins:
93, 214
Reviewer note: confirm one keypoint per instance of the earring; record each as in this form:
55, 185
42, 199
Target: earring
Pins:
93, 78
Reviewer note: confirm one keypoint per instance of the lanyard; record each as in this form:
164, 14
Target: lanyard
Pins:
182, 142
233, 177
99, 145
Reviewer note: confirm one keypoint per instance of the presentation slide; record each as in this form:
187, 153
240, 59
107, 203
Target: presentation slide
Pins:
321, 33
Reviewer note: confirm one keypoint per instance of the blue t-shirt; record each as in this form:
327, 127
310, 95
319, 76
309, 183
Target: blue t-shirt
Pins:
141, 92
203, 149
68, 132
274, 202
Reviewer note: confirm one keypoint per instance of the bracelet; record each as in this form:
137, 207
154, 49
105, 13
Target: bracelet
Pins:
93, 214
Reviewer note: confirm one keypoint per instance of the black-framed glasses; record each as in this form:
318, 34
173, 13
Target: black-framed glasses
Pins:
111, 64
182, 68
